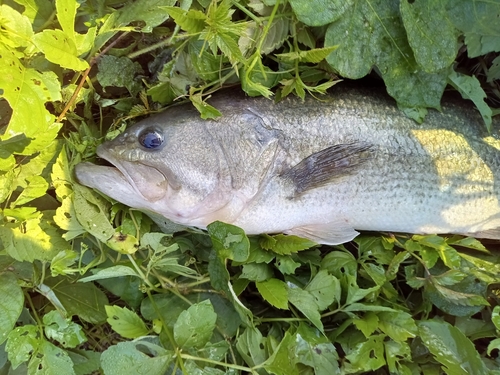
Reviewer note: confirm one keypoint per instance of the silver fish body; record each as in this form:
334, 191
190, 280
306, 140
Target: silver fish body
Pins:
318, 169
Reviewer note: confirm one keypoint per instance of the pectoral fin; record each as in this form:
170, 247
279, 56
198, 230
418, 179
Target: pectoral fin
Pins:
330, 233
328, 164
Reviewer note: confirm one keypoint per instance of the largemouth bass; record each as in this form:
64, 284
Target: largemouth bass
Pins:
318, 169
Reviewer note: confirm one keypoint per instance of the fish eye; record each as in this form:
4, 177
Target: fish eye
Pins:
151, 138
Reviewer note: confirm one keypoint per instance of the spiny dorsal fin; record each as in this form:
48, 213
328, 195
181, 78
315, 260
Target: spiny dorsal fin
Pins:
328, 164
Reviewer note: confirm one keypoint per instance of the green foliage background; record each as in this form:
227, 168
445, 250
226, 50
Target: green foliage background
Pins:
89, 286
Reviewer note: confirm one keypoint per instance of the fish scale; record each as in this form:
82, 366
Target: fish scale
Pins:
321, 169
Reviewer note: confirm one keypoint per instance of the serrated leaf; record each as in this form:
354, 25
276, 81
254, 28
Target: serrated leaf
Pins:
319, 13
431, 34
495, 317
192, 21
229, 241
135, 357
448, 255
325, 289
59, 49
315, 55
256, 271
125, 322
274, 291
63, 330
194, 327
285, 244
11, 303
306, 303
399, 326
451, 348
15, 28
470, 88
85, 361
206, 110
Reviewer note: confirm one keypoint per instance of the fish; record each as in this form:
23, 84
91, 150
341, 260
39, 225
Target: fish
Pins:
318, 169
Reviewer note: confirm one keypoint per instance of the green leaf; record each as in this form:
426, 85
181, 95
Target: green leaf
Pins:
123, 243
319, 13
286, 265
52, 360
368, 324
63, 330
120, 72
85, 361
125, 322
109, 272
322, 357
366, 356
250, 345
470, 88
11, 303
314, 55
256, 272
35, 239
15, 28
194, 327
399, 326
37, 187
285, 244
205, 109
192, 21
495, 317
135, 357
362, 32
229, 241
22, 343
274, 291
66, 12
448, 255
83, 300
59, 49
451, 348
151, 12
325, 289
431, 34
62, 261
306, 303
91, 211
282, 361
478, 20
339, 263
27, 90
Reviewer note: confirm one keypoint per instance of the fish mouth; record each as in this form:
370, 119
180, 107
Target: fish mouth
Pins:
141, 179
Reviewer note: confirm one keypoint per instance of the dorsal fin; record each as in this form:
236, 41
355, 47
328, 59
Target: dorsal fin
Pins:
328, 164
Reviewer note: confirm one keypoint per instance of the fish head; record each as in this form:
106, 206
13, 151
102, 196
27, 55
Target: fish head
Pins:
167, 164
